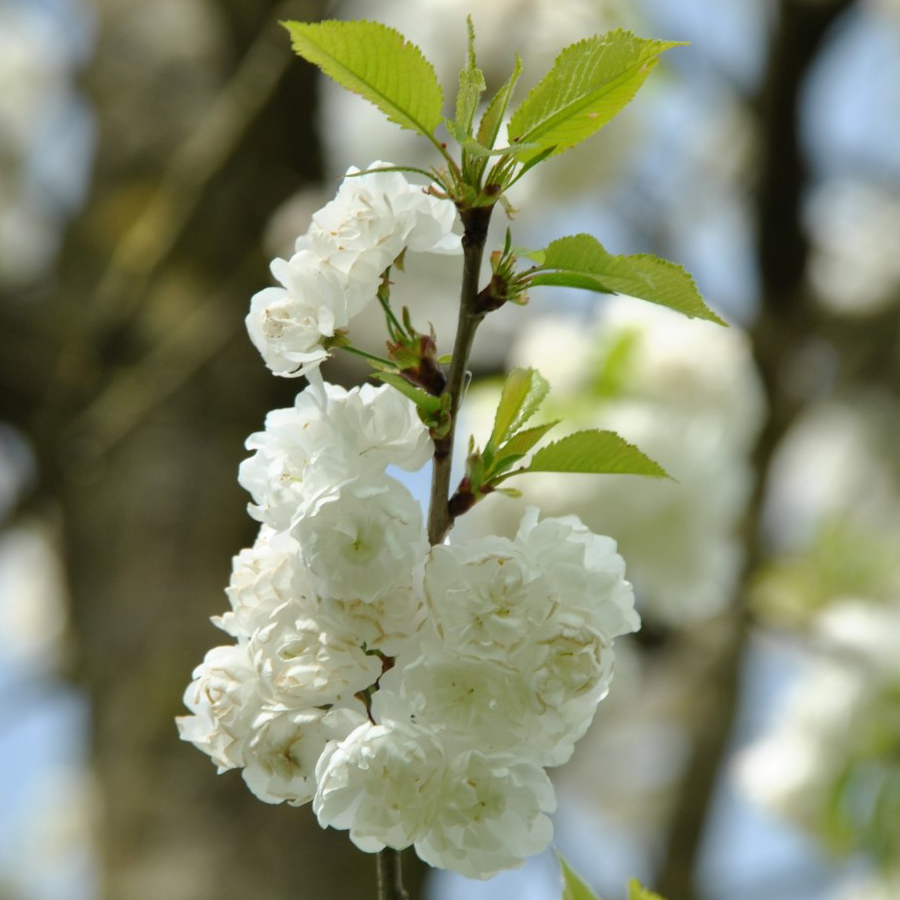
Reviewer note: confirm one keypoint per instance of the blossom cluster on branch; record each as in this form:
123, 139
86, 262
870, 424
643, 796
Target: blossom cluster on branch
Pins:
337, 265
414, 693
416, 690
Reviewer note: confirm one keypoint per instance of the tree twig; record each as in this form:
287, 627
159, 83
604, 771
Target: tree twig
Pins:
390, 875
475, 223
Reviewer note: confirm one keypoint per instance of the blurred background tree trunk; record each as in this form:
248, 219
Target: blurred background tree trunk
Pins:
785, 325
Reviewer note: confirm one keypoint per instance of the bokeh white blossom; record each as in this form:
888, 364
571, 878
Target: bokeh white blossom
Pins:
688, 395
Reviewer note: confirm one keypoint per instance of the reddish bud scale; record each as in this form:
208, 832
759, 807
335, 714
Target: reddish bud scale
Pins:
465, 498
493, 296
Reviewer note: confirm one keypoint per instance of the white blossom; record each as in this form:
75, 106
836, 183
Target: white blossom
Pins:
336, 269
304, 658
224, 701
483, 700
485, 704
329, 437
263, 577
413, 693
564, 662
385, 623
287, 324
486, 597
586, 574
285, 748
518, 650
490, 815
364, 540
373, 218
490, 595
308, 649
381, 425
381, 784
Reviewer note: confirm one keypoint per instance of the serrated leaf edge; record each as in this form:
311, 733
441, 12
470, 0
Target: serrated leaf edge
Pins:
571, 48
625, 445
403, 43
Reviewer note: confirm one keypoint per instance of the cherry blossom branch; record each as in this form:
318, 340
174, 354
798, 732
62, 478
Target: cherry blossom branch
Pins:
475, 224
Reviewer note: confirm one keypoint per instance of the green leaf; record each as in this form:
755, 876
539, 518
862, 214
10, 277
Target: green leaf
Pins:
519, 444
471, 146
636, 891
573, 886
456, 131
422, 399
539, 157
496, 110
471, 87
598, 452
581, 261
377, 63
588, 84
523, 391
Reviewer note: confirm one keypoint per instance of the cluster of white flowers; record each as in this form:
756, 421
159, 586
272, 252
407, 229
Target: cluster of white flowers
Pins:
326, 593
337, 265
414, 694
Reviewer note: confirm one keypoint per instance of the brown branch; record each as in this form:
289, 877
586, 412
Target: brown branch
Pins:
475, 224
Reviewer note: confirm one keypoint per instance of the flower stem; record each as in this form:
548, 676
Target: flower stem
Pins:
475, 224
390, 875
370, 356
389, 313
